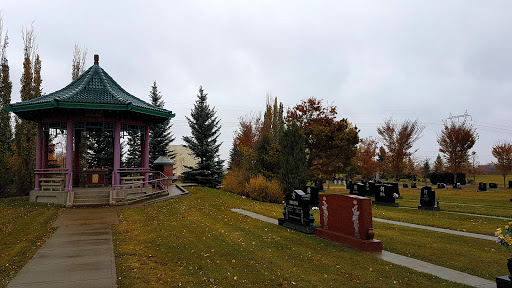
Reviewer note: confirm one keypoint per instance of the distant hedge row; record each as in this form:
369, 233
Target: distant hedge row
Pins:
447, 178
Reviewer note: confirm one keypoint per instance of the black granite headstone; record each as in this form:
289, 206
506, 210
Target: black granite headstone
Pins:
350, 186
384, 195
370, 188
395, 188
405, 186
297, 213
441, 186
313, 196
509, 184
456, 186
428, 199
414, 185
493, 186
503, 282
482, 187
360, 189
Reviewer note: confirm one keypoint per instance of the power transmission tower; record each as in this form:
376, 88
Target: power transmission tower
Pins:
465, 116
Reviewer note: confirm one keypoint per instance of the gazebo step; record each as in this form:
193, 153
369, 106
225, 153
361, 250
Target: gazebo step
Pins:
92, 196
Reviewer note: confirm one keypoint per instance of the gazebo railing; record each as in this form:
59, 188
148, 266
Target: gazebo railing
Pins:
158, 183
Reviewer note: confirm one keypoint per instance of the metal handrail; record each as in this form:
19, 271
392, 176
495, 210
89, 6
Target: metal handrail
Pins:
158, 182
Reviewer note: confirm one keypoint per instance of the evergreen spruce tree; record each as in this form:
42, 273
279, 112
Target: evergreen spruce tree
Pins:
133, 158
101, 153
5, 117
205, 129
160, 136
294, 164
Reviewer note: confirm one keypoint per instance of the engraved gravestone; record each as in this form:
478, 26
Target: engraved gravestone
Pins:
428, 199
370, 188
384, 195
297, 213
313, 195
360, 189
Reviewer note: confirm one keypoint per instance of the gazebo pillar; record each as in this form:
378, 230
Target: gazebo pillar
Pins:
117, 153
145, 155
69, 155
76, 161
38, 156
44, 158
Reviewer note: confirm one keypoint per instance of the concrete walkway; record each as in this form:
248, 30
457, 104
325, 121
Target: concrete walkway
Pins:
442, 230
441, 272
79, 254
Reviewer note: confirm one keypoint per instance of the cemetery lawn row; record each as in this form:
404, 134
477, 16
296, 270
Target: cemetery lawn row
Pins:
454, 221
24, 227
483, 258
198, 241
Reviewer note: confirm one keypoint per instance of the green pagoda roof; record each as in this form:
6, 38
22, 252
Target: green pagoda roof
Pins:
93, 90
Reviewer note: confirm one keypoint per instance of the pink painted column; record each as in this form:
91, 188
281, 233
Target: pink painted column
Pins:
38, 155
117, 153
69, 156
145, 154
44, 159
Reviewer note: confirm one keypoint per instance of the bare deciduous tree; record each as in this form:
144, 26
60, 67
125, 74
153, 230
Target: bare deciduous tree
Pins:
398, 139
79, 58
502, 151
455, 141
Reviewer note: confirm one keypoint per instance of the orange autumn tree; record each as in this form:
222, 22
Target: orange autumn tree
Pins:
502, 151
330, 143
365, 159
244, 143
455, 141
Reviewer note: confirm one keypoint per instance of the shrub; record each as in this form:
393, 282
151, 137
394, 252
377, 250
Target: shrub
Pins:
263, 190
236, 181
447, 178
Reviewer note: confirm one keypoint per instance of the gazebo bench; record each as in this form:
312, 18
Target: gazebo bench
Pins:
52, 184
136, 180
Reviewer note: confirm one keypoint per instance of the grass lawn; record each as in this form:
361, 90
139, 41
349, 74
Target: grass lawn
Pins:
197, 241
24, 227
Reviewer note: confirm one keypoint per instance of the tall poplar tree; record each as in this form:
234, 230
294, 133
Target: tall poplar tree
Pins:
160, 136
77, 68
205, 129
25, 131
5, 117
78, 64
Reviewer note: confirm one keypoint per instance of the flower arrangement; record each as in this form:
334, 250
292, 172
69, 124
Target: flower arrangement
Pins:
504, 237
395, 195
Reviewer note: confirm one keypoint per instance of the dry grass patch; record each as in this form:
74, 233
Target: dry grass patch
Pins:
196, 241
24, 227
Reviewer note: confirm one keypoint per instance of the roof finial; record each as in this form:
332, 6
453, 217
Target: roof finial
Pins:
96, 59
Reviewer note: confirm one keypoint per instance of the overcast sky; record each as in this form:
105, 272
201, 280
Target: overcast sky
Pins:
376, 59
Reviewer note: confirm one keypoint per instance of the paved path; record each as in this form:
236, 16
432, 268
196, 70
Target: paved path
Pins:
442, 230
79, 254
441, 272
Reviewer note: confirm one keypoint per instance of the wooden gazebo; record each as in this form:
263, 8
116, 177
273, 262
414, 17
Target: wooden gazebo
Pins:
92, 102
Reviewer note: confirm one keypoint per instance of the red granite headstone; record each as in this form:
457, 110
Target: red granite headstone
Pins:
347, 219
